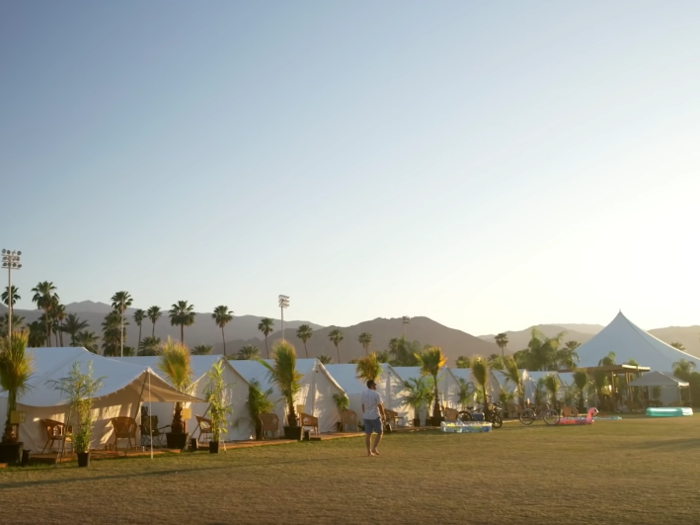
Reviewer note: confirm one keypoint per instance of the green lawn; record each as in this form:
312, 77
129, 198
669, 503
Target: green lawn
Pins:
635, 471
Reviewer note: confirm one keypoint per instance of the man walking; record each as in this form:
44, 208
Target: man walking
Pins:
373, 415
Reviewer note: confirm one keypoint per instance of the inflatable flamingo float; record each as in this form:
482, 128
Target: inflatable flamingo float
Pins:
588, 420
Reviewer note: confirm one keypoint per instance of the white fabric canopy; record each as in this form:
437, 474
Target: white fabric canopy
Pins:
652, 379
628, 341
493, 386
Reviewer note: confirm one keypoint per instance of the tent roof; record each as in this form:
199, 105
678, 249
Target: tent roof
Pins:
306, 366
201, 364
52, 364
658, 379
252, 370
628, 341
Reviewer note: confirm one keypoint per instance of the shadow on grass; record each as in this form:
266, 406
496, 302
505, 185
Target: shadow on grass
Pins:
670, 444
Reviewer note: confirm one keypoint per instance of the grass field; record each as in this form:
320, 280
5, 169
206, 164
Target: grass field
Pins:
636, 471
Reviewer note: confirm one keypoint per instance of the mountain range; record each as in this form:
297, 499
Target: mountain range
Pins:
244, 330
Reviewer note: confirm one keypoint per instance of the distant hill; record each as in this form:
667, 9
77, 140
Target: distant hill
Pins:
453, 342
517, 340
689, 336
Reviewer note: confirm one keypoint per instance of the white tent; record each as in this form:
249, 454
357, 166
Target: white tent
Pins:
252, 370
124, 388
628, 341
446, 386
389, 385
530, 385
240, 426
493, 386
670, 384
316, 393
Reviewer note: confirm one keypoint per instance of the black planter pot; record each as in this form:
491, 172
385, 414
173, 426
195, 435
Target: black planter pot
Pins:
292, 433
435, 421
83, 459
416, 421
11, 453
176, 440
213, 447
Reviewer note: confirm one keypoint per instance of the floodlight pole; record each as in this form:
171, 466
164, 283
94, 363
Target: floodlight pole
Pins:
283, 301
10, 260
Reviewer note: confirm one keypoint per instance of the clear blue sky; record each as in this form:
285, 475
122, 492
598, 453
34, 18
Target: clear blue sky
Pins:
489, 165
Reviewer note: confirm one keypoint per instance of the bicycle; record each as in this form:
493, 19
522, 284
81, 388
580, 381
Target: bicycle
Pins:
492, 413
550, 416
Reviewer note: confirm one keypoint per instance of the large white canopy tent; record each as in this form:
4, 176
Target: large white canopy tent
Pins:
389, 385
124, 388
240, 426
628, 341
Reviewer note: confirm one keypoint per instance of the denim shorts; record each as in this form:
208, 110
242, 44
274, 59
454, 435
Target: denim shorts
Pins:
373, 425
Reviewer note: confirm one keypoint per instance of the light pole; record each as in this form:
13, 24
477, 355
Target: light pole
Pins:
284, 303
10, 260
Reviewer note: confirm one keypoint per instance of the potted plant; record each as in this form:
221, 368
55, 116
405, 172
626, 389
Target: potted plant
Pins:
417, 396
258, 403
215, 395
80, 389
431, 360
174, 363
16, 367
480, 373
284, 374
342, 402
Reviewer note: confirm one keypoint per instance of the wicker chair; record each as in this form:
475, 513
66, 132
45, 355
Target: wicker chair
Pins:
56, 432
451, 414
203, 427
392, 416
269, 423
124, 428
348, 418
310, 422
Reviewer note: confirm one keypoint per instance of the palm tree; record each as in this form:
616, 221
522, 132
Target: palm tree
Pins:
149, 345
513, 376
284, 374
551, 382
682, 369
502, 342
480, 372
139, 317
608, 360
154, 313
59, 314
37, 334
403, 351
567, 358
120, 302
6, 296
336, 336
581, 381
465, 393
324, 359
431, 360
202, 350
365, 339
16, 368
43, 297
248, 352
87, 340
418, 392
17, 321
304, 332
72, 325
677, 345
495, 362
182, 314
463, 362
368, 367
174, 363
112, 331
222, 316
266, 326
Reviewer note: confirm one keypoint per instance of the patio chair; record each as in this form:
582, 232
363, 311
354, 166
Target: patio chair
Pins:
348, 418
56, 432
203, 427
309, 422
451, 414
151, 433
392, 416
124, 428
269, 423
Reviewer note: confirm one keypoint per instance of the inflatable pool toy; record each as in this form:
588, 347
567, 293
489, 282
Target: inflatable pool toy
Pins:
588, 420
669, 411
465, 428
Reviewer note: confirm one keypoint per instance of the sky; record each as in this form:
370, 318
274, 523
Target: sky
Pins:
488, 165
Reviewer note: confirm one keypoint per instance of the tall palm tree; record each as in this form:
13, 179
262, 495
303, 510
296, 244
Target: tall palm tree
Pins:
567, 358
149, 345
336, 336
14, 295
139, 317
465, 393
37, 334
43, 297
284, 374
581, 381
551, 382
365, 339
431, 360
17, 321
59, 314
174, 363
87, 340
248, 352
480, 372
120, 302
112, 333
266, 326
182, 314
72, 325
154, 313
304, 332
502, 342
222, 316
513, 376
368, 367
682, 369
16, 368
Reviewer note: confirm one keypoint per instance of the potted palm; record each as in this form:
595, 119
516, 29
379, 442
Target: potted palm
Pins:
174, 363
480, 373
431, 360
417, 395
80, 389
342, 402
215, 395
258, 403
284, 374
16, 367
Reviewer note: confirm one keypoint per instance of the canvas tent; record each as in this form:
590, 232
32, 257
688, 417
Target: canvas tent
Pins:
389, 385
447, 383
628, 341
493, 386
124, 388
239, 426
252, 370
667, 382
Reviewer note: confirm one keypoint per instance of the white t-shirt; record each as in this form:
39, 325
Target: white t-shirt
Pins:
371, 400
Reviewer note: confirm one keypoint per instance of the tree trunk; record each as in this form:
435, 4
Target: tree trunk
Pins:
182, 334
337, 347
267, 348
153, 332
139, 343
223, 338
306, 350
436, 406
